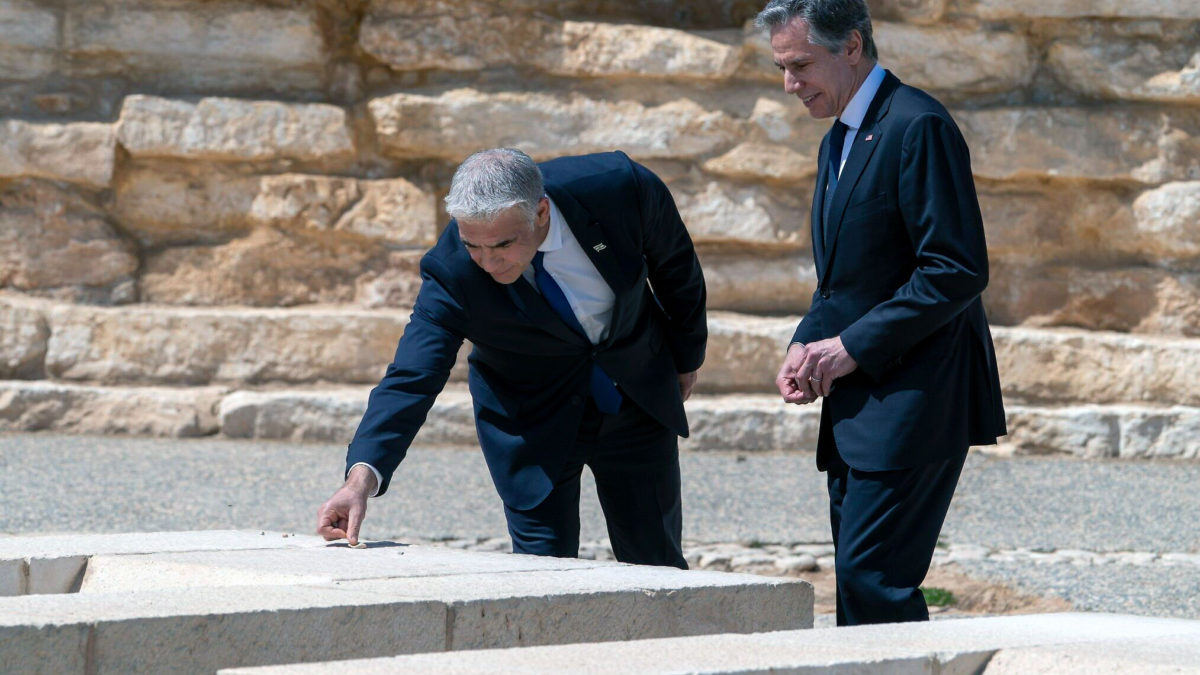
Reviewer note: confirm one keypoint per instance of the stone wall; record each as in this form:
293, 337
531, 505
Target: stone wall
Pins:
216, 201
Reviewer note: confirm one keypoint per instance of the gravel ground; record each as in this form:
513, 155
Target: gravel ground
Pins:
55, 483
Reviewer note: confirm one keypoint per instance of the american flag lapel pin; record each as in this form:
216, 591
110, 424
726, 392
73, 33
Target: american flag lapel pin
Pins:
599, 247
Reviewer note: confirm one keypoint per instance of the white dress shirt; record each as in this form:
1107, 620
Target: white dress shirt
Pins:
856, 110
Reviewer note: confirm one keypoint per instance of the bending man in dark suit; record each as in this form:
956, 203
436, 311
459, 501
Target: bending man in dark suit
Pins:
895, 339
579, 289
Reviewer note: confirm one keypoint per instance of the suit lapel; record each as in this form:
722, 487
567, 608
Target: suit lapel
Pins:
588, 233
860, 154
531, 303
816, 222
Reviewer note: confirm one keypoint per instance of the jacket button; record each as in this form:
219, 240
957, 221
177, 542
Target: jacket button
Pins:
825, 293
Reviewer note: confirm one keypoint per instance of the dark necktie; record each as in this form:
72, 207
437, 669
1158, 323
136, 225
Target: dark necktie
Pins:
604, 392
837, 139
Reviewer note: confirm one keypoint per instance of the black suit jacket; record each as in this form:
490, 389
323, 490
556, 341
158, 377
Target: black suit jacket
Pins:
529, 372
900, 272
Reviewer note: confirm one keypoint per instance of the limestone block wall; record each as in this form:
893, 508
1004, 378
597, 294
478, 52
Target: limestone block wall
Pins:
205, 202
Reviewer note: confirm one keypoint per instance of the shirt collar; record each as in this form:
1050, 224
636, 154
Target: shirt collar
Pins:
856, 109
554, 236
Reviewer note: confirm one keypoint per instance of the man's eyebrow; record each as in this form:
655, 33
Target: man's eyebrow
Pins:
498, 244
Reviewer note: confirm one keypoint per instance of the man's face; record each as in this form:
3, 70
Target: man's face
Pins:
505, 246
824, 81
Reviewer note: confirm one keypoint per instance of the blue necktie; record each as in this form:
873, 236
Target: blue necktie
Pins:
837, 139
604, 392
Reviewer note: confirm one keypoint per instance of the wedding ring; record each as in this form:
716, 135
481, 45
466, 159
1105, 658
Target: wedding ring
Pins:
814, 379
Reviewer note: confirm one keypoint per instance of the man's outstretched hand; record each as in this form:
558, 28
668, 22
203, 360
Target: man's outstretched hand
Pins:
342, 516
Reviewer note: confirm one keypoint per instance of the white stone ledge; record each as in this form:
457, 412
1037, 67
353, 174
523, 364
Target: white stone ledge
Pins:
950, 646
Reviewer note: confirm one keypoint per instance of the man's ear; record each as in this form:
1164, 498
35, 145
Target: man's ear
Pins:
854, 47
543, 212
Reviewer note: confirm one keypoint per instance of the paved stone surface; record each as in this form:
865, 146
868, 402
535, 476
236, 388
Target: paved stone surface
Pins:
1084, 530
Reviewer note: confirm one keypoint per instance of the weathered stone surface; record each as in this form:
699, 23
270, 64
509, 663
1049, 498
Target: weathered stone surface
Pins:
1094, 431
1028, 221
1168, 223
225, 129
168, 203
28, 40
1067, 366
51, 238
150, 411
396, 285
912, 11
750, 161
396, 211
198, 346
942, 58
1102, 144
332, 415
474, 36
1128, 71
1138, 299
456, 123
266, 268
758, 282
1068, 9
79, 152
954, 59
722, 211
744, 352
221, 45
750, 423
23, 338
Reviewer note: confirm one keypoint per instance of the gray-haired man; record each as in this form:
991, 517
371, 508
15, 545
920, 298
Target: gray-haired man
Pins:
579, 289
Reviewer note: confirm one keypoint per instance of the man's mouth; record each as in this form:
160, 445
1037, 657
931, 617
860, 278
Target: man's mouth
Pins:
809, 99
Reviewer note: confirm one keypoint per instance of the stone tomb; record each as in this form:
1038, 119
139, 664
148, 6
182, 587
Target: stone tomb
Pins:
202, 601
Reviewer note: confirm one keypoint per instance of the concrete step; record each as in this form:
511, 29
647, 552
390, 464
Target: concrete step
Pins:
159, 345
738, 422
201, 601
1047, 643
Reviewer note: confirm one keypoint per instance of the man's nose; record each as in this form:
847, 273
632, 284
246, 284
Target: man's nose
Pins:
488, 260
791, 85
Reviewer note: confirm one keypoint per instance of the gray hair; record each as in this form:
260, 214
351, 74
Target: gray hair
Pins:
492, 181
829, 21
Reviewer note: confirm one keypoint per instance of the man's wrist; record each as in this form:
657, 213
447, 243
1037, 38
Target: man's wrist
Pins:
365, 478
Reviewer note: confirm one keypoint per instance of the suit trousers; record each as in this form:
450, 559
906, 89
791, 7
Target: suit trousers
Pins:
635, 461
885, 528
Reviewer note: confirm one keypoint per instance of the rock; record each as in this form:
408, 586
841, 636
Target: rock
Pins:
763, 161
474, 36
725, 212
28, 40
1156, 433
1069, 9
160, 411
53, 239
744, 352
226, 129
267, 268
740, 422
79, 152
1111, 144
396, 211
1088, 431
796, 563
955, 60
395, 285
201, 47
166, 203
1167, 220
1063, 365
544, 125
23, 338
1138, 299
1028, 222
758, 282
1122, 70
912, 11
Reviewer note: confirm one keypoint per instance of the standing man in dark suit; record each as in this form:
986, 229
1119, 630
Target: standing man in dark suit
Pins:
578, 286
895, 339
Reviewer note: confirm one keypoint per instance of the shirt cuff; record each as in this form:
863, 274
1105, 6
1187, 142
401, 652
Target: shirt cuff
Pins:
378, 477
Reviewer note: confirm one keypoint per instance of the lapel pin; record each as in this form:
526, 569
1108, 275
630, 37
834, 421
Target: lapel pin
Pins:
869, 137
599, 247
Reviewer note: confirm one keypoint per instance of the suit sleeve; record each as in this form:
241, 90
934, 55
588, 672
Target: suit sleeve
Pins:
674, 269
940, 212
400, 403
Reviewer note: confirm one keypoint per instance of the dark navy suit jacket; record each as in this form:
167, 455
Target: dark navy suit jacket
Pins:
529, 372
899, 279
